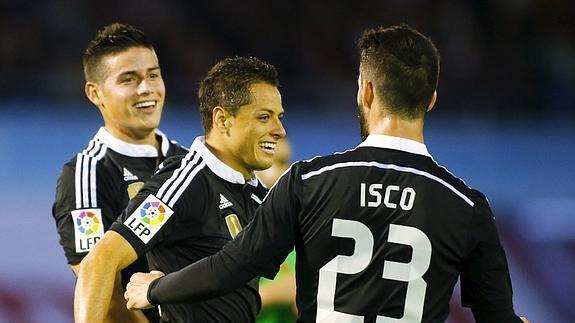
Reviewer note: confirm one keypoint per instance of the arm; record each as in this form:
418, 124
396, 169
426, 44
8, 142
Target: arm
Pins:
485, 280
279, 291
118, 311
258, 250
97, 277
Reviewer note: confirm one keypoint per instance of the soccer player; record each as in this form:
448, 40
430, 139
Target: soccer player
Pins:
123, 79
381, 231
197, 203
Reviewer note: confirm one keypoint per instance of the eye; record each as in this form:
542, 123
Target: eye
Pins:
154, 75
264, 117
127, 79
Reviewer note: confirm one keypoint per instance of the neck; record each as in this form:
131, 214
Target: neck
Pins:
220, 150
397, 127
149, 138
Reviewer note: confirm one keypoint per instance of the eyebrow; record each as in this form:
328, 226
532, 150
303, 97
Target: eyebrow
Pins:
267, 110
134, 72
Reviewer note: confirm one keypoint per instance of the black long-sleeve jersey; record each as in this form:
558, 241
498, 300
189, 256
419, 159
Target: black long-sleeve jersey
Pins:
96, 185
189, 210
381, 233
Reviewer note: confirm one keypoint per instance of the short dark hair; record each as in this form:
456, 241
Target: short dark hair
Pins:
228, 85
112, 39
403, 66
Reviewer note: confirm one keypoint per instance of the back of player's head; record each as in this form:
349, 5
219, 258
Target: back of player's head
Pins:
403, 66
110, 40
228, 85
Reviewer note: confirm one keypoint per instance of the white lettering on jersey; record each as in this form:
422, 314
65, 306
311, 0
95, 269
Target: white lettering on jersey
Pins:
149, 218
88, 228
390, 196
128, 176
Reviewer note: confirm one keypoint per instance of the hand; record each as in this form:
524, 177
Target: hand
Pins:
136, 294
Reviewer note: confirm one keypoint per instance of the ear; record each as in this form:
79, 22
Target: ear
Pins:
432, 102
221, 119
367, 95
93, 93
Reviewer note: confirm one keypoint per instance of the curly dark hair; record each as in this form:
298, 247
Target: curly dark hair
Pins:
112, 39
403, 66
228, 85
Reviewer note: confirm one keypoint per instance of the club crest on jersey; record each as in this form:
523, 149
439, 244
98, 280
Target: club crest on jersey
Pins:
149, 218
134, 188
224, 202
88, 228
234, 225
128, 176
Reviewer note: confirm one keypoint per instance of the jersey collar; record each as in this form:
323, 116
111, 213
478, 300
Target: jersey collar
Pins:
397, 143
132, 150
217, 166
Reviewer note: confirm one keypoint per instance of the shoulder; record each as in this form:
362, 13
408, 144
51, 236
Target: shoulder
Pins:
319, 164
86, 161
179, 174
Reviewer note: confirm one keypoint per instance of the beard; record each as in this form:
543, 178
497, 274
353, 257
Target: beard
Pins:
362, 123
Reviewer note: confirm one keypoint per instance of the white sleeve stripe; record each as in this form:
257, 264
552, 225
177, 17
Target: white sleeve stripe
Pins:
93, 196
77, 181
85, 174
168, 188
182, 177
186, 183
175, 175
388, 166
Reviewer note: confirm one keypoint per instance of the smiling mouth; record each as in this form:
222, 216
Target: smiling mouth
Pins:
268, 147
145, 104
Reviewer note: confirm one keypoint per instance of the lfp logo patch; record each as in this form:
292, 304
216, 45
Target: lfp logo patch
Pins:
149, 218
88, 228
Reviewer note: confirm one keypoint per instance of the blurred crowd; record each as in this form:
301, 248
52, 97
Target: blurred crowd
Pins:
499, 57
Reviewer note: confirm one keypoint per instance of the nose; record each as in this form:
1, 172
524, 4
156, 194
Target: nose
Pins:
144, 87
278, 131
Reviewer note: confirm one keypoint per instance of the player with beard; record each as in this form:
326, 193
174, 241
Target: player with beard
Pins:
381, 231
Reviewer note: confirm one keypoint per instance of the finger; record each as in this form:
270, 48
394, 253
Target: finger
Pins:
156, 272
138, 276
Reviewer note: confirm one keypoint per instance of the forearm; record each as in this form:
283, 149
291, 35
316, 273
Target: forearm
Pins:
94, 289
279, 291
97, 277
208, 278
118, 312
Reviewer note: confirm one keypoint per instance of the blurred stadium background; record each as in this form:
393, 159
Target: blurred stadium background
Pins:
504, 122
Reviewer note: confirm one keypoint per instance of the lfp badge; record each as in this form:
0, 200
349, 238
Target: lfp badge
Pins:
148, 218
88, 228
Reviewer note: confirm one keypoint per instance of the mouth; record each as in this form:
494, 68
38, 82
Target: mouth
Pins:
148, 105
268, 147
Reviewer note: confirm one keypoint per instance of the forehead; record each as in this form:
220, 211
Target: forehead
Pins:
133, 59
264, 96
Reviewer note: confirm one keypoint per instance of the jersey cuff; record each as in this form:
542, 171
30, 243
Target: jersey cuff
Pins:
130, 236
149, 293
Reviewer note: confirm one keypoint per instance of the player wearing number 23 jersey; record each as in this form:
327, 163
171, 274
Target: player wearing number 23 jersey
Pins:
381, 232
